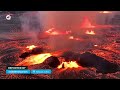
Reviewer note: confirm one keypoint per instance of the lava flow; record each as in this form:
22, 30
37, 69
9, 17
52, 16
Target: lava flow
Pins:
71, 64
53, 32
34, 59
73, 38
105, 12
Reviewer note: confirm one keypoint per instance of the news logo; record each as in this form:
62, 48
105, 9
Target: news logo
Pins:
8, 17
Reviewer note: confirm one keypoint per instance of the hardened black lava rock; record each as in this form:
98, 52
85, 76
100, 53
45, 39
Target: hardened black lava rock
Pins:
52, 61
69, 56
102, 65
32, 52
37, 51
24, 55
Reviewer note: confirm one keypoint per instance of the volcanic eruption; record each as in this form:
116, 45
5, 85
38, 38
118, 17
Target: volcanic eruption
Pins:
91, 52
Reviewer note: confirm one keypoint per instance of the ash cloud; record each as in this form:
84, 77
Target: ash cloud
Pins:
70, 19
31, 24
63, 20
38, 21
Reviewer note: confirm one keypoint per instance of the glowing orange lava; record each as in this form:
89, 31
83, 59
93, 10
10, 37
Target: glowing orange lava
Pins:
105, 12
71, 37
51, 32
71, 64
54, 32
95, 45
31, 47
90, 32
34, 59
68, 32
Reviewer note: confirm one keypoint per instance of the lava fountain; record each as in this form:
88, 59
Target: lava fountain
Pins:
86, 23
90, 32
71, 64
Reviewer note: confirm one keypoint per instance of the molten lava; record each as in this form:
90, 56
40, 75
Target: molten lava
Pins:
71, 37
34, 59
95, 45
31, 47
68, 32
90, 32
71, 64
50, 30
105, 12
86, 23
53, 32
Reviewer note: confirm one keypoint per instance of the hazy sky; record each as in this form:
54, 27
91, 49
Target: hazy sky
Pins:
68, 18
63, 19
60, 20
